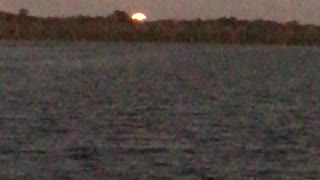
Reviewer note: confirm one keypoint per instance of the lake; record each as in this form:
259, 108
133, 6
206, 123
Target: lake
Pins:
158, 111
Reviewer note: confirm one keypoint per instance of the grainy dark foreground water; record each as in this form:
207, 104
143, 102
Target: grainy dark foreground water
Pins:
158, 111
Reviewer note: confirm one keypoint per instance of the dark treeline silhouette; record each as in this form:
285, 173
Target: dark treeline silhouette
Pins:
119, 27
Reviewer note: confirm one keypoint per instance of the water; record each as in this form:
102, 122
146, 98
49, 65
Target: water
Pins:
158, 111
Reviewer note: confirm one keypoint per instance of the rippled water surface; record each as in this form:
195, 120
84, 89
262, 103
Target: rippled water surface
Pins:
158, 111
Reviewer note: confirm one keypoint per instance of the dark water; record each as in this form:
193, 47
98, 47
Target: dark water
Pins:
158, 111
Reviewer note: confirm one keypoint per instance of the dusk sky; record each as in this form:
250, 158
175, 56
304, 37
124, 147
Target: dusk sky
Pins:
304, 11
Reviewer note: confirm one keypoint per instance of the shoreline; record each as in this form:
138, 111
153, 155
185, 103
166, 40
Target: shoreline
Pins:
119, 27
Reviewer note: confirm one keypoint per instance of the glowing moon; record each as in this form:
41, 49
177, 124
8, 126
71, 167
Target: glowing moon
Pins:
140, 17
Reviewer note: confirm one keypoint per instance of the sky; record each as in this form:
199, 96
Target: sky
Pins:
303, 11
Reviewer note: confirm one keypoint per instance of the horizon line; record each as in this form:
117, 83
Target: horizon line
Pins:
172, 19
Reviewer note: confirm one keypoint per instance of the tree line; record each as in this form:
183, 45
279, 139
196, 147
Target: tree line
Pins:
119, 26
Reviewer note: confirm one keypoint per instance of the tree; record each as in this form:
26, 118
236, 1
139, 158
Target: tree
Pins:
119, 16
23, 12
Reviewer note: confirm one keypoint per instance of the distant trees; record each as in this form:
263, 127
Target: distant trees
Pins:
23, 12
119, 26
119, 16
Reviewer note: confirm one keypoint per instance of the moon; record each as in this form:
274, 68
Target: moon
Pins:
139, 17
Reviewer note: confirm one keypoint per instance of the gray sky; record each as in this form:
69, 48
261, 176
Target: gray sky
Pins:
304, 11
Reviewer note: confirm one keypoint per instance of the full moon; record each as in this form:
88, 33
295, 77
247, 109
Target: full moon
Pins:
140, 17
